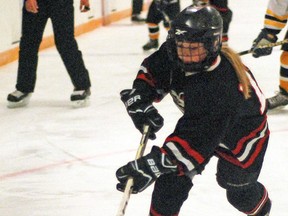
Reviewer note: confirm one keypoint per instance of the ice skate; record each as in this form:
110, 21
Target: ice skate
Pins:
136, 18
151, 44
278, 101
80, 98
18, 99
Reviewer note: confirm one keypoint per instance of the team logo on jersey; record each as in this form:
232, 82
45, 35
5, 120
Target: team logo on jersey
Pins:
178, 99
180, 32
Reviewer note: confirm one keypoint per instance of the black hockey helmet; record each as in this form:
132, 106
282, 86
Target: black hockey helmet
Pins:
199, 23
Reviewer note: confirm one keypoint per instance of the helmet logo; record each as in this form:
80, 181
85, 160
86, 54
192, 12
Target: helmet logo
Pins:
180, 32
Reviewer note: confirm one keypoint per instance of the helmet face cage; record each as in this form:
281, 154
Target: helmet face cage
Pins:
196, 37
202, 51
190, 52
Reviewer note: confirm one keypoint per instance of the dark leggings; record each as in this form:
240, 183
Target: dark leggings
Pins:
61, 13
170, 192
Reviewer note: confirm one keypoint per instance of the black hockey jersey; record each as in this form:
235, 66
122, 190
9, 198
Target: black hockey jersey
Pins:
217, 119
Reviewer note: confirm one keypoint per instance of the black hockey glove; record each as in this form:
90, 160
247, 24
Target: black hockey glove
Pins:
145, 170
264, 38
142, 111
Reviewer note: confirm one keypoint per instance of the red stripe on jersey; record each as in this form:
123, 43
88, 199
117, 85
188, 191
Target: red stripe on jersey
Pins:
154, 213
229, 158
221, 9
225, 38
254, 155
260, 205
143, 77
242, 141
257, 151
184, 144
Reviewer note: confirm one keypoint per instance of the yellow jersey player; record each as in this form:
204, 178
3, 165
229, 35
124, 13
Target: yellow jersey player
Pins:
275, 20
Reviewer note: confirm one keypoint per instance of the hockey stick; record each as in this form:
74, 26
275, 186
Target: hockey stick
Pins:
165, 16
264, 46
162, 11
129, 184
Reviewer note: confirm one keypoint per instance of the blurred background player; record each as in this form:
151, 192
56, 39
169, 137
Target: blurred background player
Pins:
275, 20
137, 6
226, 13
222, 7
159, 10
155, 17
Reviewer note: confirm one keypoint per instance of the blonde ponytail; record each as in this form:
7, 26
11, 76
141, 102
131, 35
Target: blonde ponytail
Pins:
240, 70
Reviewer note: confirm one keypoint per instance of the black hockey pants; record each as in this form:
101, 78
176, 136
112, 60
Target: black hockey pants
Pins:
243, 190
137, 6
61, 13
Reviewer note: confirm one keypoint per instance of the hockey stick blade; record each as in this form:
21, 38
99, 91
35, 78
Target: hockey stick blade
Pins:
128, 189
264, 46
165, 16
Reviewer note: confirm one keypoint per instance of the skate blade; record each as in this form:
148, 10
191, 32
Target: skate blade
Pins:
81, 103
152, 50
276, 110
22, 103
137, 23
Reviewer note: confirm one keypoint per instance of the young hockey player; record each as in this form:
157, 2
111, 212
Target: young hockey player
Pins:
224, 115
275, 20
34, 18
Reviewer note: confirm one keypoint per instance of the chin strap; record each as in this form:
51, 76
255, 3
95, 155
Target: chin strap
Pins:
215, 64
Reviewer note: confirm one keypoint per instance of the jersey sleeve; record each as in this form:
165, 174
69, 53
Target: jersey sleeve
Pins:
276, 15
154, 74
